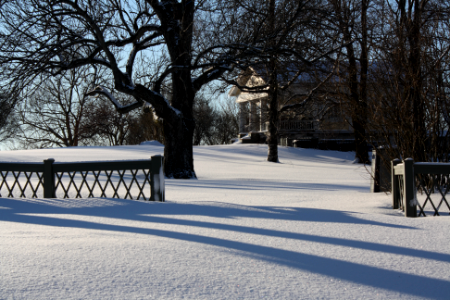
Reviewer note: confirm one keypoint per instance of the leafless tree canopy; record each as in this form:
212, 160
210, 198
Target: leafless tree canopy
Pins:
410, 79
56, 112
215, 125
299, 38
389, 61
8, 119
186, 40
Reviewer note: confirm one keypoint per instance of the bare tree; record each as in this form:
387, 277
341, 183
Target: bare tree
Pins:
225, 128
145, 127
56, 112
298, 38
351, 21
8, 118
229, 110
215, 125
409, 109
49, 37
205, 117
105, 126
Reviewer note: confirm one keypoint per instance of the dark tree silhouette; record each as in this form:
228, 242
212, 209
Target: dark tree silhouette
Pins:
182, 40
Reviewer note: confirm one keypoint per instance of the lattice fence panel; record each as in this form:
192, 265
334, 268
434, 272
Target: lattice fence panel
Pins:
21, 184
124, 184
432, 190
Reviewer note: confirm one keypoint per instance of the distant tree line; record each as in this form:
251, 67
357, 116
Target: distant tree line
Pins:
59, 113
395, 75
215, 125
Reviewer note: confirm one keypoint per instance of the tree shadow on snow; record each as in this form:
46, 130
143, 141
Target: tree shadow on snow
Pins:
259, 184
46, 211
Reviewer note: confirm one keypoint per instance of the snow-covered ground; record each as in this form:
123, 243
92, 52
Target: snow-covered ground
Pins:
306, 228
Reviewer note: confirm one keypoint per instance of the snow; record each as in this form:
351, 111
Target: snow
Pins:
305, 228
151, 143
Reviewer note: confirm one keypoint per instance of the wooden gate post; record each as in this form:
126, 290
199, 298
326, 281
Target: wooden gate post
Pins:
49, 178
375, 178
157, 184
395, 189
408, 188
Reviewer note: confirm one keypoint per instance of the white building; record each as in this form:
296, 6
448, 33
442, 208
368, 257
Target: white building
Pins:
312, 123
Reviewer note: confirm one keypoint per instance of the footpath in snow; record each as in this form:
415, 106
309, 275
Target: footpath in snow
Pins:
306, 228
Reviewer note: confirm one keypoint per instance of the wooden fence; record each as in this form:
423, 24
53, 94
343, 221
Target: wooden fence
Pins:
116, 179
430, 180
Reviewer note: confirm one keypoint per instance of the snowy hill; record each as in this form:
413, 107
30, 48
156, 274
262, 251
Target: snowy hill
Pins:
306, 228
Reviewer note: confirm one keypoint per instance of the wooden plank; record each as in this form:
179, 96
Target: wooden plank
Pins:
157, 185
408, 189
101, 166
398, 169
21, 167
395, 188
49, 178
432, 168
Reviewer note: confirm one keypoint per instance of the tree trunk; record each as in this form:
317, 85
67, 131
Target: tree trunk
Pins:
358, 110
272, 139
416, 84
179, 128
361, 124
178, 151
361, 153
178, 135
357, 103
179, 124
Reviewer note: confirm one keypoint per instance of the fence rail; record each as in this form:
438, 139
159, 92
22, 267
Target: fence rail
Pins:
414, 185
138, 179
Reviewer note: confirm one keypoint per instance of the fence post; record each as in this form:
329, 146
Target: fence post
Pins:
49, 178
375, 179
157, 184
408, 185
395, 189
